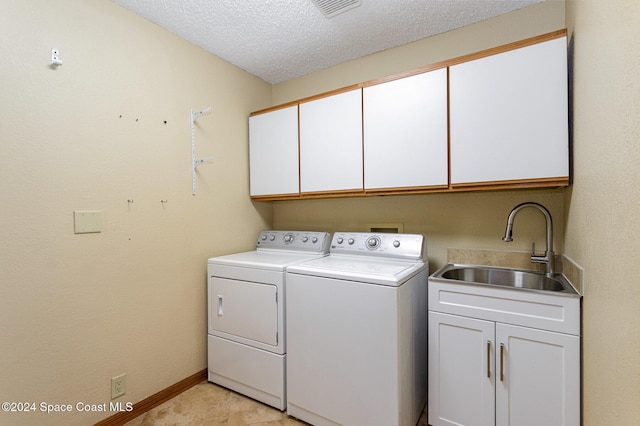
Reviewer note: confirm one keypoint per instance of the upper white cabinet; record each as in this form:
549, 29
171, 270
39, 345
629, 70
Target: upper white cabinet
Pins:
331, 143
405, 132
509, 116
488, 120
273, 152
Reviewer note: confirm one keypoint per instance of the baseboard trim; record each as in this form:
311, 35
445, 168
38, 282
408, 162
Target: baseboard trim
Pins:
154, 400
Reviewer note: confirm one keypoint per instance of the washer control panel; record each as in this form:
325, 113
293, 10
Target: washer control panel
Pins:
311, 241
410, 246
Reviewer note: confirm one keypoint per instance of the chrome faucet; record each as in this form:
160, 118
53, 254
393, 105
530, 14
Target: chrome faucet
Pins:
548, 258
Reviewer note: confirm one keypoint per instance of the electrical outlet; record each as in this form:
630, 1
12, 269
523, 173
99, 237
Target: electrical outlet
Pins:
118, 385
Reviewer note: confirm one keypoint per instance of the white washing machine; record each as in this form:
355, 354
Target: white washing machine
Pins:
246, 297
357, 332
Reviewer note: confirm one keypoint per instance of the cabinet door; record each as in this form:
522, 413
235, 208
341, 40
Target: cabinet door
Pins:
541, 377
509, 115
461, 371
273, 152
331, 143
405, 132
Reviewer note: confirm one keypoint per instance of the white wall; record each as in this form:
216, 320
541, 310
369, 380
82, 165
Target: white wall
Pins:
76, 310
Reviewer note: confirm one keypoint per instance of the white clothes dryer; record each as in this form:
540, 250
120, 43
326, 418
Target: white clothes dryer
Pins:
246, 314
357, 332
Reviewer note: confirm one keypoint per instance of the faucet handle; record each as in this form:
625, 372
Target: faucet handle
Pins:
537, 258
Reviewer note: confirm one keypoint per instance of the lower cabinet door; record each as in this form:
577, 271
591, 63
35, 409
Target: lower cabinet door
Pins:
540, 382
462, 371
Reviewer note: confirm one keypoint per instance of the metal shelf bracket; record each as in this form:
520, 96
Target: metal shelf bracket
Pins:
196, 161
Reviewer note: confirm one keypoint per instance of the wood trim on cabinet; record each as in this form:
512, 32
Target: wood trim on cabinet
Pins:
559, 182
154, 400
299, 156
274, 198
362, 144
328, 194
274, 108
330, 93
271, 197
309, 99
469, 57
406, 190
507, 47
553, 182
449, 127
405, 74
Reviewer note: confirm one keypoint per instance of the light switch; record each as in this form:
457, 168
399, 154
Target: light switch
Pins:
87, 221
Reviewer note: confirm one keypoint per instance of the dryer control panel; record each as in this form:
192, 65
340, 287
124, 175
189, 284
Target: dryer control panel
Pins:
306, 241
406, 246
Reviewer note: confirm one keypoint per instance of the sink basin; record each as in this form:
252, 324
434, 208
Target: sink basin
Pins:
505, 277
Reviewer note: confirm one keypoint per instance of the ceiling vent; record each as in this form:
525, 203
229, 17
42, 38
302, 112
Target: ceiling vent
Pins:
331, 8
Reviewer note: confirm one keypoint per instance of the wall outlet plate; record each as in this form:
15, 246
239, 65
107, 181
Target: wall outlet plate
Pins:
118, 385
87, 221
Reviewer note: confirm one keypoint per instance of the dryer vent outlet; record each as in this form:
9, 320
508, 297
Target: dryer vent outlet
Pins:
118, 385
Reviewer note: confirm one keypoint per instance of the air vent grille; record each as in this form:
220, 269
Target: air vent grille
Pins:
331, 8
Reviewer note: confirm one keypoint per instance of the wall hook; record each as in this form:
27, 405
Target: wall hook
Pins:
130, 201
164, 201
55, 58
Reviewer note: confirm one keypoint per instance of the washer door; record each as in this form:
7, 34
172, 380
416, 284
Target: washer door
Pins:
243, 311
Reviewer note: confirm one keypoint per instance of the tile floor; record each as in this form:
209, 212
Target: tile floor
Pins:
209, 404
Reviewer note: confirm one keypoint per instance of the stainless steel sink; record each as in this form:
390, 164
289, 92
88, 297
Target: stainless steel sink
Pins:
505, 277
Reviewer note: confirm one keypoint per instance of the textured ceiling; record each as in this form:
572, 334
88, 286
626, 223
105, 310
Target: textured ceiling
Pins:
278, 40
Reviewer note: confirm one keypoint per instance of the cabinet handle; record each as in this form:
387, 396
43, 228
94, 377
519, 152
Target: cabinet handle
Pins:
489, 359
501, 362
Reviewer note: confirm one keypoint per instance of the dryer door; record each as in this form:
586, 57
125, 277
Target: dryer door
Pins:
243, 311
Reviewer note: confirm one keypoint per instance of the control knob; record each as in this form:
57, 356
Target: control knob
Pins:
373, 243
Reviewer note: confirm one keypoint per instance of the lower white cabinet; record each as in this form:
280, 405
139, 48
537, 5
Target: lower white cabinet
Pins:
490, 373
461, 371
538, 377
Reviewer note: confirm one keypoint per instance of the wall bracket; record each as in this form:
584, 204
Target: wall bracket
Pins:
196, 161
